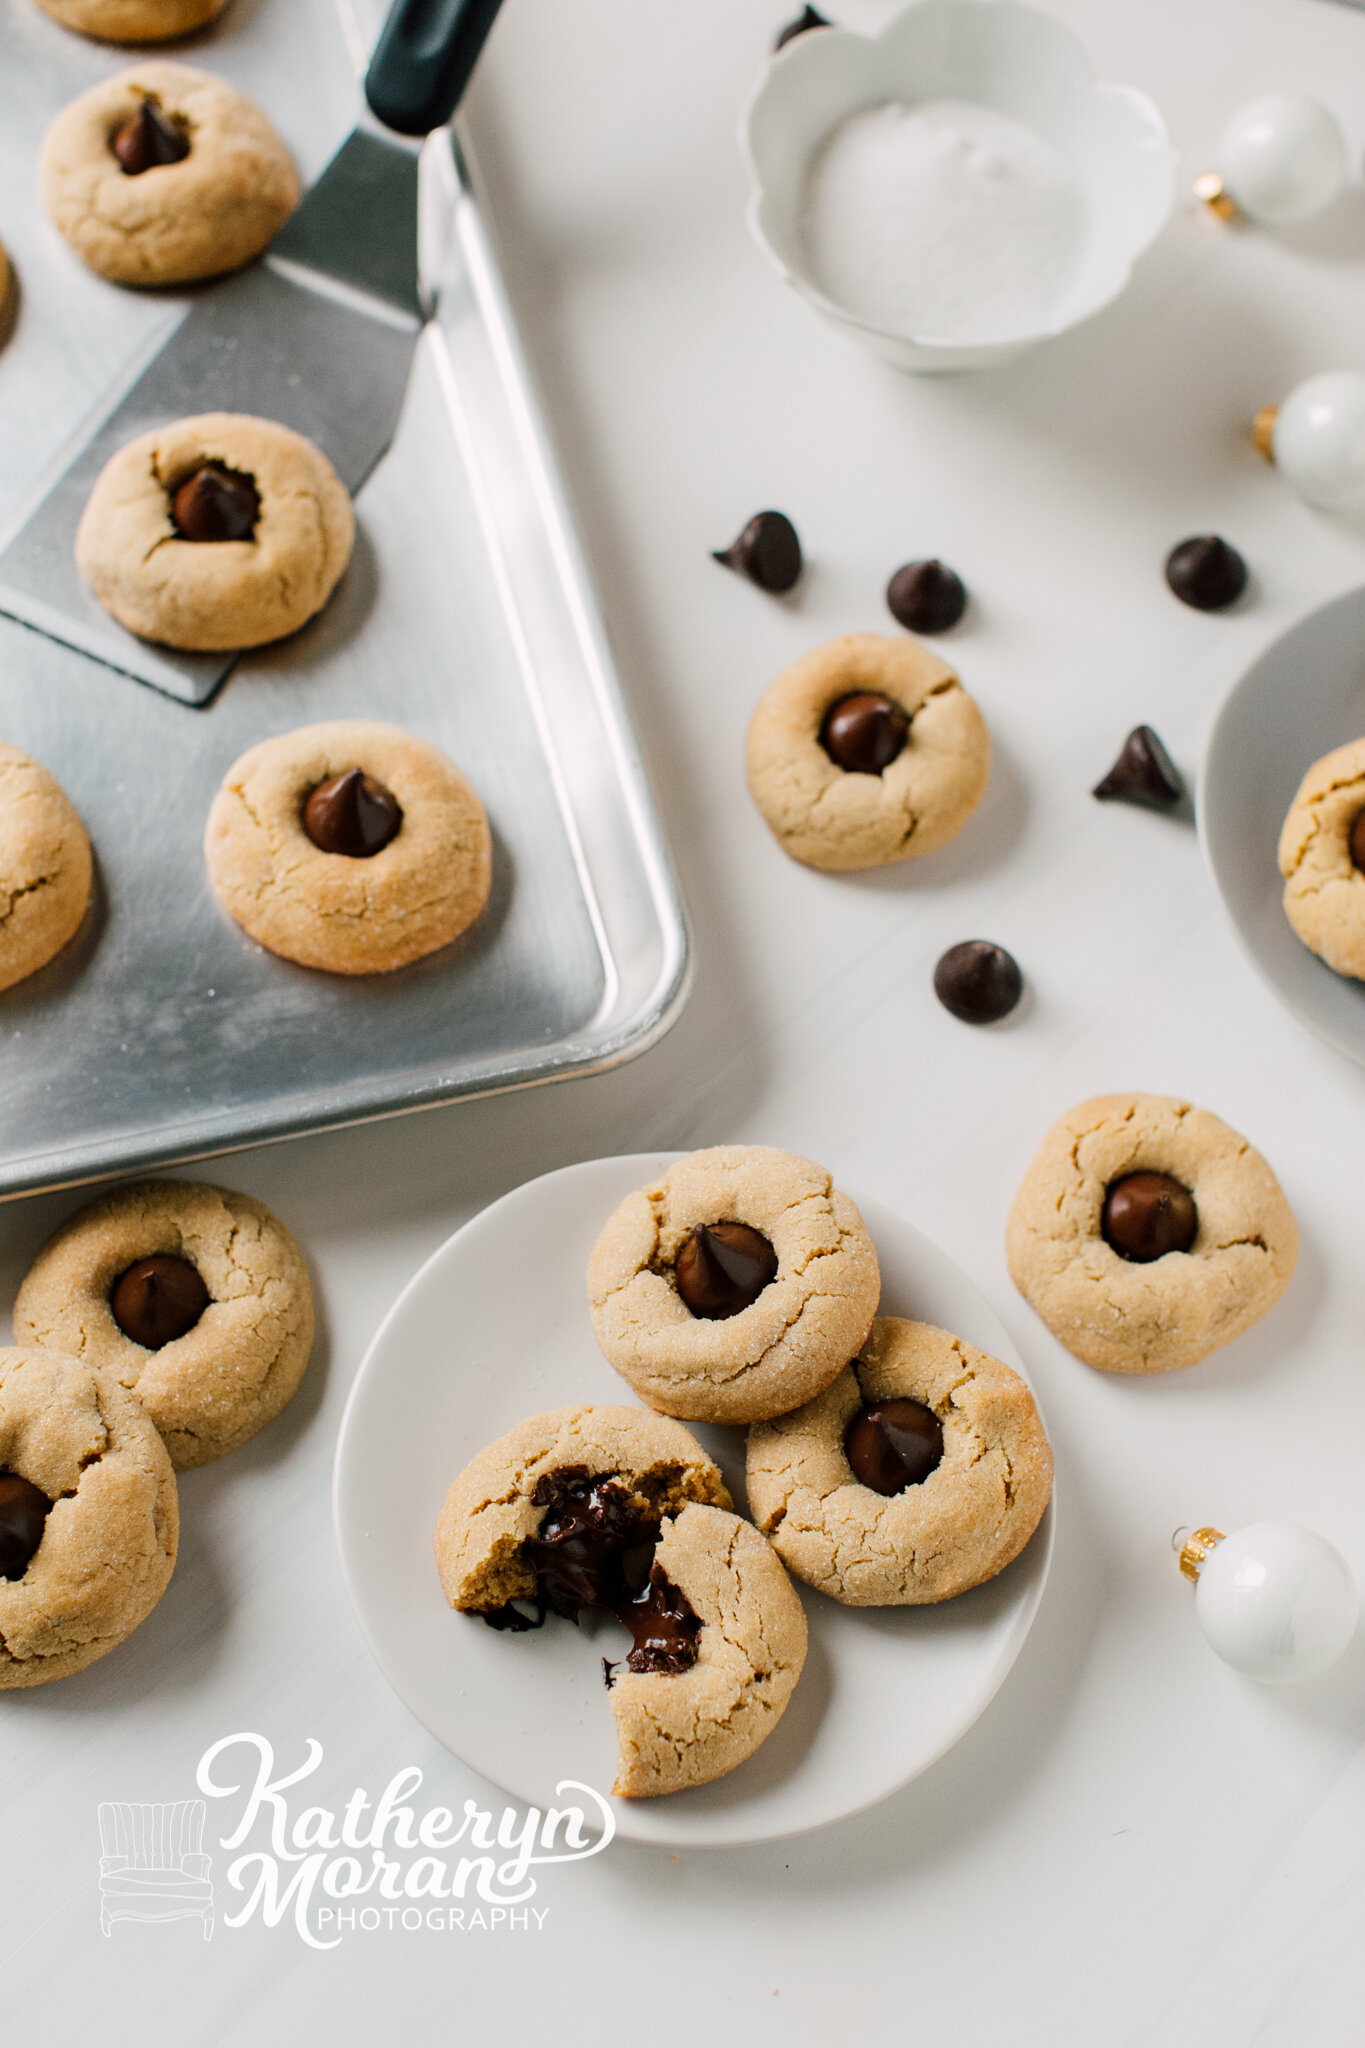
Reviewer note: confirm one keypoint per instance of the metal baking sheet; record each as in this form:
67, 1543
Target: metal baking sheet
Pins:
163, 1033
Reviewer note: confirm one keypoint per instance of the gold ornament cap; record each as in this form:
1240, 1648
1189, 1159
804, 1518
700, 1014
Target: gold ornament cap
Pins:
1210, 190
1263, 431
1195, 1553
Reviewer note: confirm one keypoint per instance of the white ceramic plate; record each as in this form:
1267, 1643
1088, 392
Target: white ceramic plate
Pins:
1301, 698
494, 1328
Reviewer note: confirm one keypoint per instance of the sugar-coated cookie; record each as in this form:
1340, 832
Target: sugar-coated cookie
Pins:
218, 532
951, 1511
1146, 1233
45, 867
195, 1298
1324, 889
735, 1286
865, 751
341, 901
89, 1519
678, 1730
202, 184
133, 21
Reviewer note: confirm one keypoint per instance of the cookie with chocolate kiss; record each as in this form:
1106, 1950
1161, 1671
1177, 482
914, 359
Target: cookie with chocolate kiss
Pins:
922, 1471
734, 1286
1147, 1233
194, 1296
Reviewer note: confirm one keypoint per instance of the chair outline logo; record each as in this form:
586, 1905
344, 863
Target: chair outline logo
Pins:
152, 1863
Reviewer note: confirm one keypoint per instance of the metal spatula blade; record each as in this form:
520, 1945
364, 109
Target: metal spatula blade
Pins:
319, 336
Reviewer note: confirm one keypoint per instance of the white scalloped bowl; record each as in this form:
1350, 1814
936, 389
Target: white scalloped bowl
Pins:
998, 54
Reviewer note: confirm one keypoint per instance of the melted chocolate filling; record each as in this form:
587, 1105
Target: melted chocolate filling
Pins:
664, 1626
594, 1551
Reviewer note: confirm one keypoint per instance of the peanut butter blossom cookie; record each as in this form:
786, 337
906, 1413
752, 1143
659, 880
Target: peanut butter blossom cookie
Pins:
607, 1509
1322, 859
350, 846
133, 21
164, 175
866, 751
89, 1520
219, 532
45, 867
1146, 1233
922, 1471
193, 1297
735, 1287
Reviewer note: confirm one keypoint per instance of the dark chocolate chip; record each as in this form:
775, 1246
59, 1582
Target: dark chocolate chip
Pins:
1357, 841
893, 1444
1147, 1215
216, 503
864, 732
1206, 573
926, 597
1144, 773
24, 1508
579, 1550
664, 1625
978, 981
767, 552
157, 1300
353, 814
147, 139
807, 19
722, 1268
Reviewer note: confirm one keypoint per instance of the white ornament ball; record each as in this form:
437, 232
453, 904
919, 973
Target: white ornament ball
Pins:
1318, 441
1277, 1602
1282, 158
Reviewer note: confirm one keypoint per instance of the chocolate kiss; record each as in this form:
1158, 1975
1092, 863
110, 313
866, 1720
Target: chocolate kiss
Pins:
147, 140
926, 597
1146, 1215
894, 1444
767, 552
157, 1300
23, 1511
216, 503
353, 814
1143, 774
864, 732
1206, 572
722, 1268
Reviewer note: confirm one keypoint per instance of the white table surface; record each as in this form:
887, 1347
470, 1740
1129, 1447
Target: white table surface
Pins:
1133, 1846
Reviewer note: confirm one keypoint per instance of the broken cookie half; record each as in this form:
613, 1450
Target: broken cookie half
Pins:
616, 1510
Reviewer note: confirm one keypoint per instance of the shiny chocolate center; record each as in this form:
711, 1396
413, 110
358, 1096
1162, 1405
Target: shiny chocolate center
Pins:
863, 733
148, 139
1147, 1215
722, 1268
663, 1625
893, 1444
354, 814
23, 1511
215, 503
157, 1300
